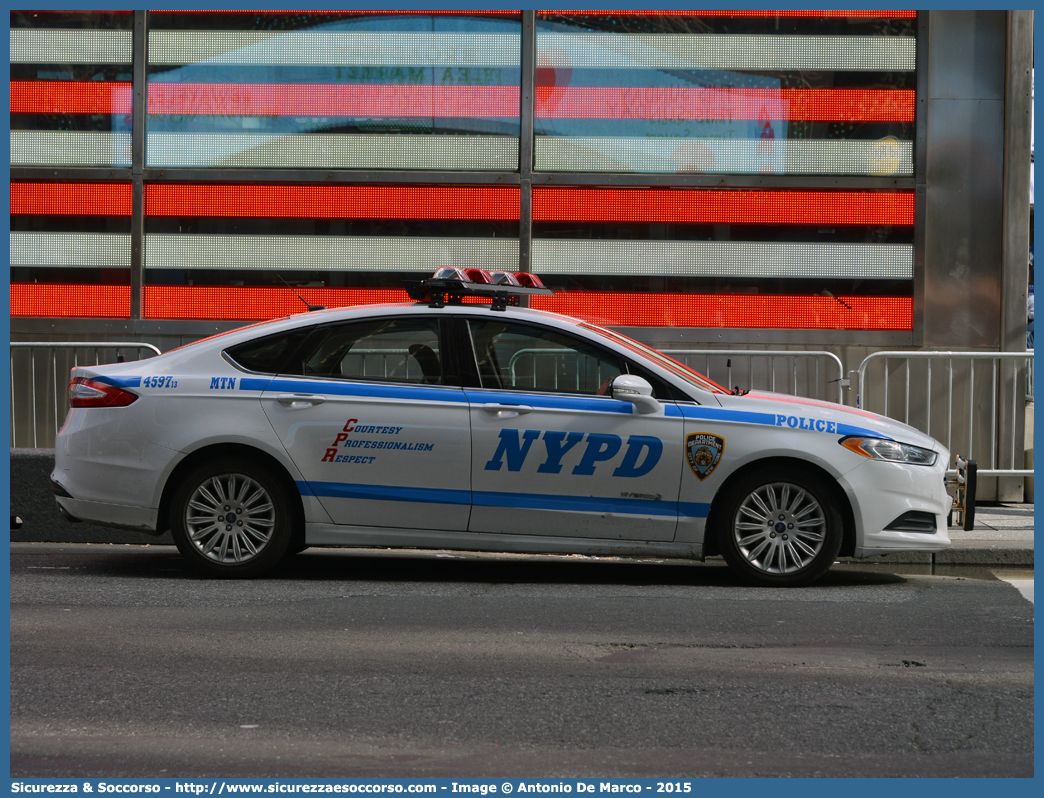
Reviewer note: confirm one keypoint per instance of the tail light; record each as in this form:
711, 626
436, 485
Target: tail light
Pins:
528, 280
87, 392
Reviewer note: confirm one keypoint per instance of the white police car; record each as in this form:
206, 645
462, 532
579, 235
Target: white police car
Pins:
483, 427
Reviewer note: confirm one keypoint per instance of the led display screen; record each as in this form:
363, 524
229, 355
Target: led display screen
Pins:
811, 98
70, 88
723, 92
334, 90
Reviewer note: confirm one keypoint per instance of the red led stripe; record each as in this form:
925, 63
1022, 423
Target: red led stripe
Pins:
732, 310
794, 105
426, 13
873, 14
333, 202
296, 99
71, 301
238, 303
69, 97
70, 199
722, 206
240, 99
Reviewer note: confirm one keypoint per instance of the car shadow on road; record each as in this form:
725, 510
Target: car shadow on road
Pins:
403, 566
340, 565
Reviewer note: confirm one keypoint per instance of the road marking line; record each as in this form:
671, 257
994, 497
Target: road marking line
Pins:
1024, 586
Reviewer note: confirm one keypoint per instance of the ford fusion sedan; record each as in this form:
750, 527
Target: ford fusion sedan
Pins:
448, 425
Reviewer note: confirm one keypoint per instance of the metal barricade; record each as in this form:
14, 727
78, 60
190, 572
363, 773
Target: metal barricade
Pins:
992, 408
808, 380
55, 399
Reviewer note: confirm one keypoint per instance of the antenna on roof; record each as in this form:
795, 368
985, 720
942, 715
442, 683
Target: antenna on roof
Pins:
308, 305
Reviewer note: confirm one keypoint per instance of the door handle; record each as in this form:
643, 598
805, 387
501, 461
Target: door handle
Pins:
297, 401
507, 411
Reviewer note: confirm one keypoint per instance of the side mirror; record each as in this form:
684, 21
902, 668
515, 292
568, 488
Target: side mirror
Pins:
637, 391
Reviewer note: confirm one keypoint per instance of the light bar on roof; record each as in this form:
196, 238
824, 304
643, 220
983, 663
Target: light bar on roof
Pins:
296, 99
50, 46
761, 53
886, 157
750, 311
718, 206
71, 250
70, 148
738, 259
327, 253
334, 48
333, 151
332, 202
793, 105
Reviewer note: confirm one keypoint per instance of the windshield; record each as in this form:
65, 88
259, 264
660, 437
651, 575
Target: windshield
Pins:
660, 359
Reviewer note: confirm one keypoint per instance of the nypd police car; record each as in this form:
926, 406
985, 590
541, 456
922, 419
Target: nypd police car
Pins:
450, 424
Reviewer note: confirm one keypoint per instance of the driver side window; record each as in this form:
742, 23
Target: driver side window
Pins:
515, 356
399, 350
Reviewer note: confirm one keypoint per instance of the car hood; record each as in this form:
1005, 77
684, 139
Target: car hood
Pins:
799, 413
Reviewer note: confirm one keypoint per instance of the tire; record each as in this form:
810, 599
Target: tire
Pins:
231, 518
780, 527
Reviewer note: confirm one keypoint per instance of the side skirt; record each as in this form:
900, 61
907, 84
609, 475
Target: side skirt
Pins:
369, 537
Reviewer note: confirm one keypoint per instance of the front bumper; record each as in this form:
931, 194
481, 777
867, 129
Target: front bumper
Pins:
881, 492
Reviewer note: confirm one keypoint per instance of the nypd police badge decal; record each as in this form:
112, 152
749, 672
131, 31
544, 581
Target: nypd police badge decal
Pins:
704, 453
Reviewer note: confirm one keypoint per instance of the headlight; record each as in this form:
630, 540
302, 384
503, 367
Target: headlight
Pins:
881, 449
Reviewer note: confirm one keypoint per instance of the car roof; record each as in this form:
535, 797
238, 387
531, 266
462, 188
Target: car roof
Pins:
333, 315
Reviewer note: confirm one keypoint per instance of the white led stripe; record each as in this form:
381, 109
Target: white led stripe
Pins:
889, 157
328, 253
71, 250
69, 148
728, 51
334, 48
43, 46
550, 256
334, 151
724, 259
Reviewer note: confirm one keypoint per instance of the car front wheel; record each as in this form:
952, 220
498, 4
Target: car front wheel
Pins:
780, 527
232, 518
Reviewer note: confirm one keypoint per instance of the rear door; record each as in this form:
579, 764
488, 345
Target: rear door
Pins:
377, 426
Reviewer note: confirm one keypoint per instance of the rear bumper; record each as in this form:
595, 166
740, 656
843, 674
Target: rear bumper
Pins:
120, 516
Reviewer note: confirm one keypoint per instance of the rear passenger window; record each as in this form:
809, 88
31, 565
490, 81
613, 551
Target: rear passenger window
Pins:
268, 355
400, 350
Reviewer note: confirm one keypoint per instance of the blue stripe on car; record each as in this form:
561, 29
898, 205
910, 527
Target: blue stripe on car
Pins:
119, 382
768, 420
529, 501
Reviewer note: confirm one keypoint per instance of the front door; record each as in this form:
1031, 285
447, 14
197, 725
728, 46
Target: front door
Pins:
553, 454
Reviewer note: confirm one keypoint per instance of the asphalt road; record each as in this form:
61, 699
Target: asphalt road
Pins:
429, 665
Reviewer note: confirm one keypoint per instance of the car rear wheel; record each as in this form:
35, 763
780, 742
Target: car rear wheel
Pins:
232, 518
780, 527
